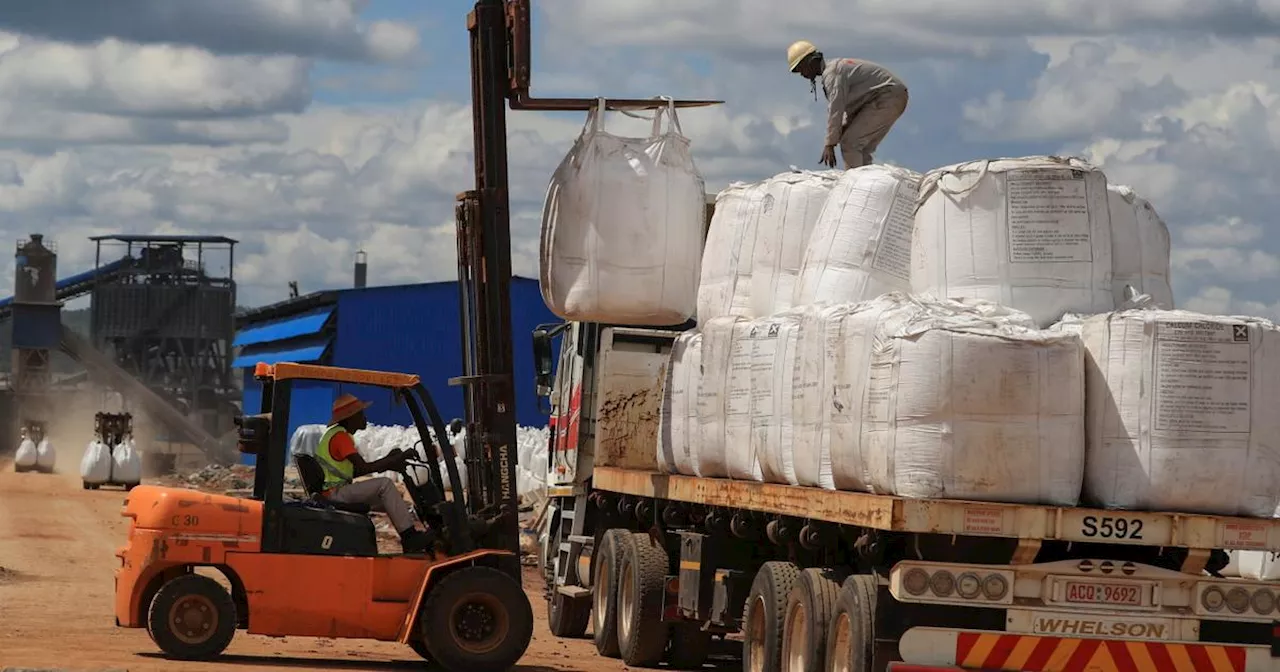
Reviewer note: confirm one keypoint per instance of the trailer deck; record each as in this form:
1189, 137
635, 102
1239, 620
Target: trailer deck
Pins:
952, 517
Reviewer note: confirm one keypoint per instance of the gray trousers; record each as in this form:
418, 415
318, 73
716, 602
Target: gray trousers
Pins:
867, 125
379, 494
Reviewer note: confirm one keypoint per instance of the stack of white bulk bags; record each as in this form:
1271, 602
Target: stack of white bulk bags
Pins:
622, 227
1033, 234
773, 361
1177, 418
860, 247
725, 288
957, 400
678, 438
788, 213
1139, 248
718, 347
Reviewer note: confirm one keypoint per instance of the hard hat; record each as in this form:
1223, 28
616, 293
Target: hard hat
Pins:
797, 52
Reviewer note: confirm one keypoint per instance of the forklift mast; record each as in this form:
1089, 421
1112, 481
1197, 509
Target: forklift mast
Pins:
500, 76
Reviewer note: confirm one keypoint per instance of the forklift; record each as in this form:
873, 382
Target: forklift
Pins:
112, 429
312, 567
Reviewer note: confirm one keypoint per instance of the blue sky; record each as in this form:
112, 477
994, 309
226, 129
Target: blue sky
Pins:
311, 134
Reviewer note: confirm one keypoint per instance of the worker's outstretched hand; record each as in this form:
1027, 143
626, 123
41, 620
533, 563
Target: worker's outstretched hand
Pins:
828, 157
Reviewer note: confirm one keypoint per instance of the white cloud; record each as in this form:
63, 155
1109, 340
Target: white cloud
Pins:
319, 28
119, 78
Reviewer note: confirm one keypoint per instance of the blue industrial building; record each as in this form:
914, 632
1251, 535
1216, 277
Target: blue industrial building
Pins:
403, 328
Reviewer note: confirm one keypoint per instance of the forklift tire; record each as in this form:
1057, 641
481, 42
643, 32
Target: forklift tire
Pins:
420, 647
764, 615
568, 617
642, 579
477, 619
192, 617
851, 638
690, 647
810, 608
604, 592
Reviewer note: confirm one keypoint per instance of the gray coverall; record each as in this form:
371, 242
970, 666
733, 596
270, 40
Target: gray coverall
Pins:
864, 101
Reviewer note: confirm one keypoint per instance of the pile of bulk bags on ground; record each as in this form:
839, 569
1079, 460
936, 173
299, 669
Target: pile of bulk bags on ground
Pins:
376, 441
998, 330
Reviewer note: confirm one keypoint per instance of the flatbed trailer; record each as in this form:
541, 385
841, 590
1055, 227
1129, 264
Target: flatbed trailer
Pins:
659, 565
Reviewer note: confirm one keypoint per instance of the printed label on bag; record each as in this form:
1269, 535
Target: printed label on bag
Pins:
1048, 216
893, 254
1202, 373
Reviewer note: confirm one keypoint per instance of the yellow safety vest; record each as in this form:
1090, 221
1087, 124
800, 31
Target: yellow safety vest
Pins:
335, 473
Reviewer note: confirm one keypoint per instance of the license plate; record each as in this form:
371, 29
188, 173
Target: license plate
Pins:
1083, 592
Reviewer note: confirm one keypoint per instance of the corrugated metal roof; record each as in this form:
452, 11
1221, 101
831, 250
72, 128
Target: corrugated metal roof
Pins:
302, 353
307, 324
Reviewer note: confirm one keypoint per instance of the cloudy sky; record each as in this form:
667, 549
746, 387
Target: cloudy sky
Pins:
308, 129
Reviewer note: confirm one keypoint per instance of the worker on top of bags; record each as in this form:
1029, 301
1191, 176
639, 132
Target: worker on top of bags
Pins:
863, 102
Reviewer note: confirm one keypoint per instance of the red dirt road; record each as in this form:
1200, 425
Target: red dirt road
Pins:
56, 566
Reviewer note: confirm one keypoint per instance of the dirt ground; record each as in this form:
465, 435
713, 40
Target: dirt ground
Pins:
56, 565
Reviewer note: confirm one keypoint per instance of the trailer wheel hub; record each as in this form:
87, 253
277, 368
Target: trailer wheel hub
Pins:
841, 635
193, 619
795, 641
755, 635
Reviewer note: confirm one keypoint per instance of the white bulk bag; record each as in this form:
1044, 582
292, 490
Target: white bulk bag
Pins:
814, 396
713, 396
1033, 234
788, 213
741, 460
963, 401
45, 455
127, 464
725, 287
25, 458
1139, 248
306, 438
95, 464
860, 247
1256, 565
772, 375
622, 227
1179, 416
679, 438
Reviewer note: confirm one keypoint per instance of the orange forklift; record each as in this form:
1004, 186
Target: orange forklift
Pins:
312, 567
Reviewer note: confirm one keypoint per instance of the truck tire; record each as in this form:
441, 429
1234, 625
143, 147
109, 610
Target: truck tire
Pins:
763, 616
690, 647
642, 578
851, 640
192, 617
810, 607
604, 587
566, 616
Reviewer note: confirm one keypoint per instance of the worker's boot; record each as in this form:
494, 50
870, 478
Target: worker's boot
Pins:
413, 541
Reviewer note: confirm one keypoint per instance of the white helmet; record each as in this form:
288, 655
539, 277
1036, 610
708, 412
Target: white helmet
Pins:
798, 51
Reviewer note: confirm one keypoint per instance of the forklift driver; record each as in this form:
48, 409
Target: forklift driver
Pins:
342, 464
